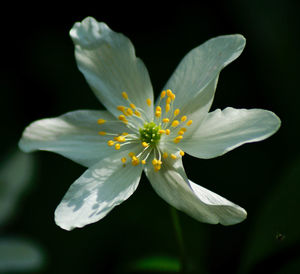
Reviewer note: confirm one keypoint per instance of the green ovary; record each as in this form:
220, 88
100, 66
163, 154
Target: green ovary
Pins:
150, 133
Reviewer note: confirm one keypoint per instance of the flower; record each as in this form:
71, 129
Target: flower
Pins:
135, 135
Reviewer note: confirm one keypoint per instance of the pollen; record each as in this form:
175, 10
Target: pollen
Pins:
181, 153
120, 139
175, 123
167, 107
132, 106
181, 132
131, 154
161, 131
148, 102
177, 139
135, 161
173, 96
165, 155
145, 144
110, 143
101, 121
166, 120
137, 113
176, 112
123, 160
168, 131
129, 111
121, 108
157, 113
173, 156
125, 95
158, 108
169, 92
117, 146
143, 162
189, 122
102, 133
124, 133
163, 94
183, 118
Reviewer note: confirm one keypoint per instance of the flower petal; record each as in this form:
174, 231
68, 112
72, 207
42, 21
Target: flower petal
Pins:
194, 80
93, 195
225, 130
173, 186
107, 60
73, 135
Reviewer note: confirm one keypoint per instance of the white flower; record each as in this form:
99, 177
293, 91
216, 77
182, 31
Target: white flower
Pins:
134, 135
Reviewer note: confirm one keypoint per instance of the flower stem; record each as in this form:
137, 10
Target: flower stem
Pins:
179, 237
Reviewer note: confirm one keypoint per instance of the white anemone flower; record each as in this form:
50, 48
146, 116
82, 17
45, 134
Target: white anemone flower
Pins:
134, 134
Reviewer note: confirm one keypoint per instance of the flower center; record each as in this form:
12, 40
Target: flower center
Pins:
150, 133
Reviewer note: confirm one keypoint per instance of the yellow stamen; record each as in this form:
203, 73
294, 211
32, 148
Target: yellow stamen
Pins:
168, 131
165, 155
169, 92
149, 102
158, 108
173, 96
135, 161
181, 153
173, 156
183, 118
163, 94
121, 108
161, 131
181, 132
177, 139
117, 146
167, 107
131, 154
168, 100
124, 95
101, 121
137, 113
157, 113
154, 162
110, 143
132, 106
129, 111
102, 133
120, 139
166, 120
189, 122
123, 160
176, 112
124, 133
145, 144
143, 162
175, 123
183, 129
122, 117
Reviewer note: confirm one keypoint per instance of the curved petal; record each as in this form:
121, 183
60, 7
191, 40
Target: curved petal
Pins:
93, 195
173, 186
73, 135
195, 79
108, 62
225, 130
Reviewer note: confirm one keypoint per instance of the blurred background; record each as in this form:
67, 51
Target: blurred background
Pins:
39, 79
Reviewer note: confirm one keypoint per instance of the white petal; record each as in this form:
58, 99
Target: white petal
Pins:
73, 135
194, 80
172, 185
107, 60
93, 195
225, 130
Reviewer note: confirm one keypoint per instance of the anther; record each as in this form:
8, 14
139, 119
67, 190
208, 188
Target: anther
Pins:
189, 122
102, 133
135, 161
120, 139
169, 92
123, 160
165, 155
101, 121
121, 108
131, 154
132, 106
168, 131
177, 139
137, 113
110, 143
181, 153
161, 131
124, 95
173, 156
176, 112
167, 107
143, 162
149, 102
163, 94
166, 120
175, 123
117, 146
183, 118
145, 144
129, 111
157, 113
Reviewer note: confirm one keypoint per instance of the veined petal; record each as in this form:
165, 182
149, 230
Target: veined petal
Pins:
73, 135
194, 80
172, 184
108, 62
225, 130
93, 195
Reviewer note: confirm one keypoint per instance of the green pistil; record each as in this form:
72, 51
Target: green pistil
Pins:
150, 133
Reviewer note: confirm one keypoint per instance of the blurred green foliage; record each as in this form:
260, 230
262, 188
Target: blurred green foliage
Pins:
39, 79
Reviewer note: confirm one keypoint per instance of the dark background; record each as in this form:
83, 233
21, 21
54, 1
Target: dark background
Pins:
39, 79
